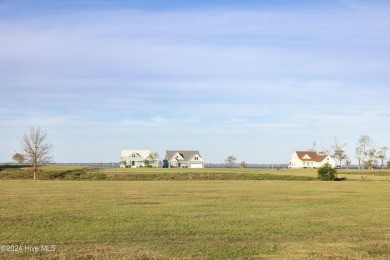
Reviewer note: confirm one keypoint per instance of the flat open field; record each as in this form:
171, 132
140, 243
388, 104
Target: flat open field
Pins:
147, 174
218, 219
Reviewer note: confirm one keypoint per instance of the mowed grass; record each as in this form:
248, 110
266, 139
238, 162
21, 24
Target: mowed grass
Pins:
228, 219
147, 174
221, 173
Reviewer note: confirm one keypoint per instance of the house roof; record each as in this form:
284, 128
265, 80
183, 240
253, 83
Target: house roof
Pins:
142, 153
187, 155
310, 156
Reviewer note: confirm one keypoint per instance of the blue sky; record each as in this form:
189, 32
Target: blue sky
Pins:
256, 79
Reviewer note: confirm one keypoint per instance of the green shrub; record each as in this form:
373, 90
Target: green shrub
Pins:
100, 176
327, 173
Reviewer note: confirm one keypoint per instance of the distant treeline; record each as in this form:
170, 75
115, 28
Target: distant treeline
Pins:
248, 165
207, 165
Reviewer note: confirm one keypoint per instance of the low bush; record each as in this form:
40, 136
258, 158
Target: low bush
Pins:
327, 173
100, 176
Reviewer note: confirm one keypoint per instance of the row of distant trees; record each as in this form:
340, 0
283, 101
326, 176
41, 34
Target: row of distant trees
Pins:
367, 153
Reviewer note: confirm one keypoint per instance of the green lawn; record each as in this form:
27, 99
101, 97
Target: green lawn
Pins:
147, 174
217, 219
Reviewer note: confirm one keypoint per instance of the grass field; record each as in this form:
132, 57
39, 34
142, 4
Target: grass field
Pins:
147, 174
186, 219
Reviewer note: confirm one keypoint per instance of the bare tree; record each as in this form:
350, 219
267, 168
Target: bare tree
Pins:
359, 156
364, 144
323, 150
243, 165
371, 162
313, 147
338, 152
348, 162
19, 158
36, 147
382, 155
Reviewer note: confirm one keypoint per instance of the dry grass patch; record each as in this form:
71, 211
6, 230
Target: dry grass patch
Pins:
197, 219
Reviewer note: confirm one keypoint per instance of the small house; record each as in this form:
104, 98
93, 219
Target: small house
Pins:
309, 159
183, 159
138, 158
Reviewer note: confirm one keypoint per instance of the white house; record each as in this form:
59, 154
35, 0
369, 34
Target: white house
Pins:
183, 159
309, 159
138, 158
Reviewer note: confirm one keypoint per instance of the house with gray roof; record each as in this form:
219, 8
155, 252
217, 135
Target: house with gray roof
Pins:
183, 159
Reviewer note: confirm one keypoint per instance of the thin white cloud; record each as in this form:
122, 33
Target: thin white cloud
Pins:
160, 120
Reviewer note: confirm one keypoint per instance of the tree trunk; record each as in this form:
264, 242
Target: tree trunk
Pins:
341, 163
34, 169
